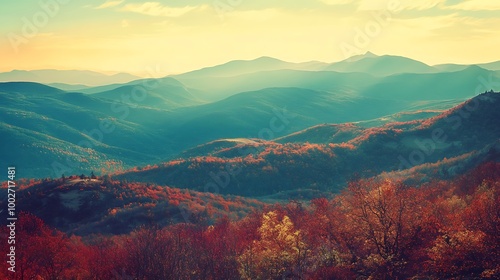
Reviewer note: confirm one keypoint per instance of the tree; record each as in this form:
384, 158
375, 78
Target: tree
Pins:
44, 253
383, 216
280, 252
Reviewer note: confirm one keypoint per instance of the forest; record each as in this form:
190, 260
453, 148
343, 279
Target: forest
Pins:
374, 229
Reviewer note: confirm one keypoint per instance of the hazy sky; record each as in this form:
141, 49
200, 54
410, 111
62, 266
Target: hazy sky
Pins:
179, 35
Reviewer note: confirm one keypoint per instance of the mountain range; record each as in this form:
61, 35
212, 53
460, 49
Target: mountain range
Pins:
102, 158
113, 123
339, 153
246, 174
66, 79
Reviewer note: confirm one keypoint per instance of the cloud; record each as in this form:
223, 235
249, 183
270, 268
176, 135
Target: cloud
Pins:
450, 28
336, 2
469, 5
477, 5
157, 9
373, 5
420, 5
255, 15
109, 4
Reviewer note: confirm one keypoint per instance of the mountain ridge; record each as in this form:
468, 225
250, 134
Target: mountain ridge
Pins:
85, 77
276, 167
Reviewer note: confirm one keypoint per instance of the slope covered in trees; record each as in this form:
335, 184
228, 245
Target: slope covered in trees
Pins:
372, 230
83, 207
262, 168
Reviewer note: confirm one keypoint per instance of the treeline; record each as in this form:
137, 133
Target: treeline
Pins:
104, 206
373, 230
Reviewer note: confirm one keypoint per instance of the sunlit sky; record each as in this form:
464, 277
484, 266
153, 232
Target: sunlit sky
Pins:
179, 35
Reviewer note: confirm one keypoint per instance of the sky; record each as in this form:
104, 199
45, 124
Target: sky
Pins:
166, 37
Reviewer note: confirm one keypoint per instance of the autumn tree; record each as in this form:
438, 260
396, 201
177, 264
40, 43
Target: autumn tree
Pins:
470, 244
280, 251
385, 218
43, 253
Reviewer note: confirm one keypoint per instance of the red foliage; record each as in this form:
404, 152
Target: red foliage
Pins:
374, 229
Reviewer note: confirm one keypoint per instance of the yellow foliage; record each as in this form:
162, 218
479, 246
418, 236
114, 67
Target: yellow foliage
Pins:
278, 250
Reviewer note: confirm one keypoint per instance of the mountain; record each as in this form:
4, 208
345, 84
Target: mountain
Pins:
218, 88
493, 66
219, 82
380, 65
68, 87
240, 67
166, 93
259, 169
274, 112
160, 126
339, 133
176, 115
458, 85
358, 57
436, 86
450, 67
367, 63
49, 131
75, 77
148, 83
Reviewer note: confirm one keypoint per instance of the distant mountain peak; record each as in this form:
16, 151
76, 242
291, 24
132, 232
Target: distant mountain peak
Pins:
383, 65
18, 71
267, 58
474, 67
475, 70
357, 57
370, 54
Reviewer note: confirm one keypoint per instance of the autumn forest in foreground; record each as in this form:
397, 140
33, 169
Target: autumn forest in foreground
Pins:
379, 229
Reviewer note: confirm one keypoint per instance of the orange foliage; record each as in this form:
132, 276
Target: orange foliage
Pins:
372, 230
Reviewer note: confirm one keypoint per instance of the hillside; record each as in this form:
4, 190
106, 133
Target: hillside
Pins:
143, 131
164, 94
50, 132
101, 206
349, 236
324, 134
274, 167
447, 168
436, 86
276, 112
167, 120
155, 120
100, 130
220, 146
